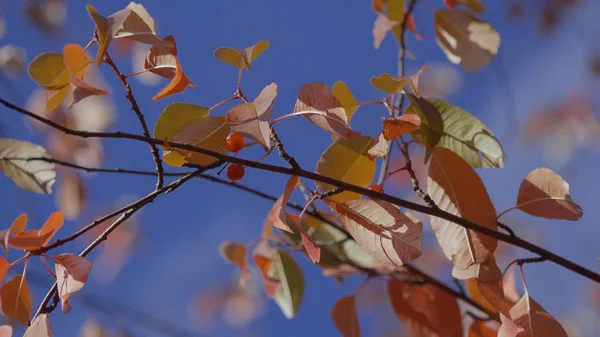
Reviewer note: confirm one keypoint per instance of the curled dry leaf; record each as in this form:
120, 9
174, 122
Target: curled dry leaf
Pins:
241, 58
465, 39
40, 327
382, 231
252, 119
457, 189
33, 175
71, 274
34, 239
236, 254
15, 298
425, 309
208, 133
347, 160
380, 149
545, 194
277, 216
345, 317
317, 104
396, 127
530, 320
133, 22
162, 61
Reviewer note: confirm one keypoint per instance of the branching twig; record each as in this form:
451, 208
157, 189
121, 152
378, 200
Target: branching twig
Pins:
281, 151
135, 107
515, 241
413, 177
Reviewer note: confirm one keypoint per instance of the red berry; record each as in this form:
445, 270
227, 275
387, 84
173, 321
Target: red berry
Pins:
235, 172
376, 188
235, 142
450, 3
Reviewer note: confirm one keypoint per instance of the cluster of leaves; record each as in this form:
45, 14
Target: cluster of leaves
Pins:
361, 235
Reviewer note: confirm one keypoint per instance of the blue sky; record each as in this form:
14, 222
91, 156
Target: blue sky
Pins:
311, 41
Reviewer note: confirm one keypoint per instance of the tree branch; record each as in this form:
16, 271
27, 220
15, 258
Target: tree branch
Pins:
515, 241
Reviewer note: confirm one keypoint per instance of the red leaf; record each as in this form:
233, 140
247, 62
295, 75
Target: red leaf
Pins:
345, 317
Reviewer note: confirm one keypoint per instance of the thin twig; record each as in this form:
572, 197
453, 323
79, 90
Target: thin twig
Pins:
395, 112
135, 107
281, 151
515, 241
413, 177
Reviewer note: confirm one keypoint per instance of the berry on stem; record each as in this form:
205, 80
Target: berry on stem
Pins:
235, 172
235, 142
376, 188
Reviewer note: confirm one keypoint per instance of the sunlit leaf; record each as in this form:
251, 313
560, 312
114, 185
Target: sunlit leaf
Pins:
481, 329
342, 93
381, 230
380, 149
35, 175
317, 104
545, 194
40, 327
252, 119
133, 22
388, 83
162, 61
455, 187
18, 226
425, 309
381, 27
396, 127
347, 160
474, 5
71, 274
289, 296
4, 267
432, 126
15, 298
485, 272
345, 317
241, 58
532, 318
263, 258
80, 90
465, 39
7, 331
208, 133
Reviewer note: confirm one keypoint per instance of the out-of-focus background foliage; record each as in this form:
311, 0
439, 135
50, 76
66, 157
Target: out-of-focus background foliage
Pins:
161, 273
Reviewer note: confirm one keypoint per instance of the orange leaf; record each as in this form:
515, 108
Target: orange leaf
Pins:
263, 258
52, 225
75, 60
317, 104
545, 194
396, 127
29, 240
4, 267
15, 299
40, 327
163, 62
71, 274
236, 254
457, 189
532, 319
345, 317
252, 119
480, 329
17, 227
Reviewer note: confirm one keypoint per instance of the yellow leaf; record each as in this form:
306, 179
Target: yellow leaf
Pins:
102, 30
432, 127
347, 160
241, 58
388, 83
343, 94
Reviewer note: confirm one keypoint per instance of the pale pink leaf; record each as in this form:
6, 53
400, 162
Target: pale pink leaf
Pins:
71, 274
532, 319
6, 331
81, 90
380, 149
380, 29
40, 327
381, 230
317, 97
485, 272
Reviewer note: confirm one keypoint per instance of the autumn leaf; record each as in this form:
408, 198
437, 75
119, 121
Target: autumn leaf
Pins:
342, 93
381, 230
263, 257
40, 327
545, 194
455, 187
380, 148
277, 216
381, 27
80, 90
289, 295
465, 39
133, 22
236, 254
481, 329
252, 119
208, 133
345, 317
432, 126
531, 319
48, 70
396, 127
162, 61
473, 5
486, 272
34, 239
241, 58
317, 104
388, 83
347, 160
17, 227
425, 309
7, 331
71, 274
33, 175
15, 298
4, 267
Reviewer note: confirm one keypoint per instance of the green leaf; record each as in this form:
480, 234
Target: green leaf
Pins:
289, 296
468, 137
347, 160
432, 126
171, 120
